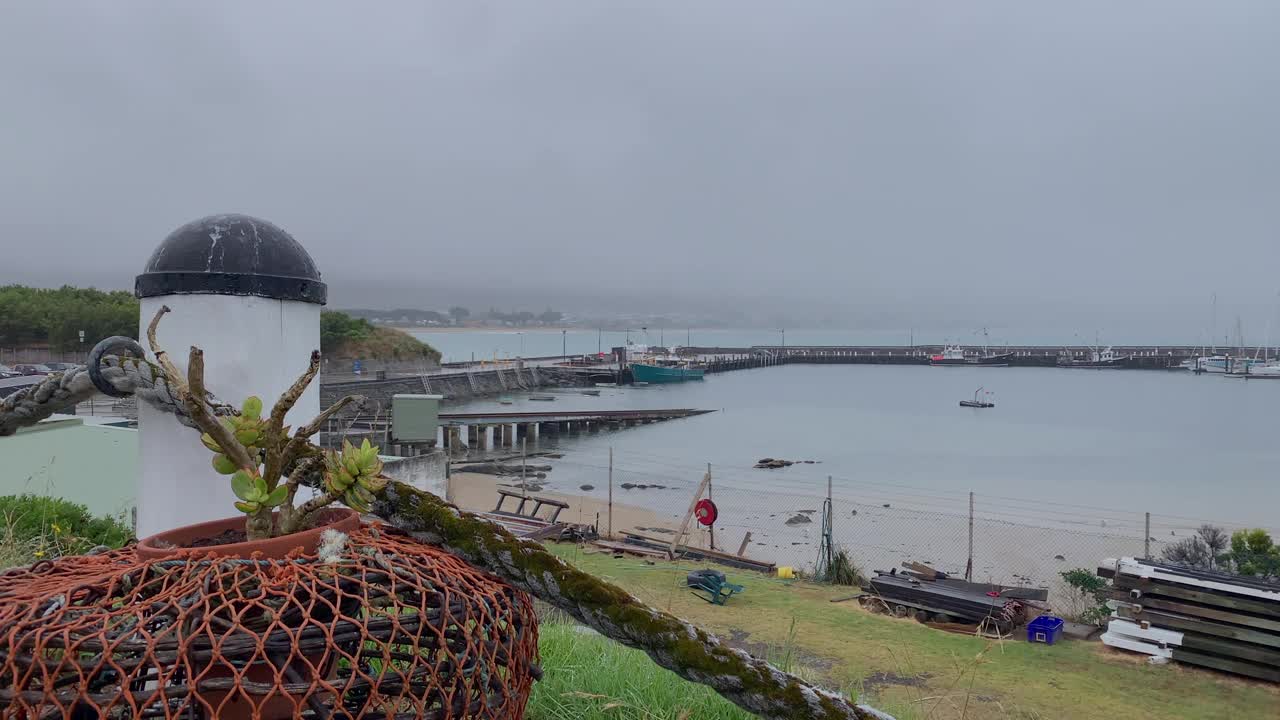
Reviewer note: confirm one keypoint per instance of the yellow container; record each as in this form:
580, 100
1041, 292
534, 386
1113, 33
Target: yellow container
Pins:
786, 572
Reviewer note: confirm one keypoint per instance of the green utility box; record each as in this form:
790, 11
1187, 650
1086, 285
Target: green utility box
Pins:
414, 418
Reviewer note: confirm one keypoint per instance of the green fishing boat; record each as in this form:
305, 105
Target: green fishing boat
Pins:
642, 372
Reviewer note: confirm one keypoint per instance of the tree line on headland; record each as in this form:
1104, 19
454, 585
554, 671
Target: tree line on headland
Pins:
458, 316
44, 316
344, 336
54, 318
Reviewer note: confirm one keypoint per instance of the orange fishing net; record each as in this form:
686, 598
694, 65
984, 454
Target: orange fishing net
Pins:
391, 628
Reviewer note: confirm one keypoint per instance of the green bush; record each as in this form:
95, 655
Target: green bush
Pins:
39, 527
344, 336
1254, 553
844, 571
337, 328
34, 316
1087, 601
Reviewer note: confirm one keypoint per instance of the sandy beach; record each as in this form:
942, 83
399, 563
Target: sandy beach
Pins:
478, 492
493, 329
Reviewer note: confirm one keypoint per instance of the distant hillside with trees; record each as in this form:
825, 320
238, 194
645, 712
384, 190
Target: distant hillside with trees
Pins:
43, 316
36, 317
457, 316
343, 336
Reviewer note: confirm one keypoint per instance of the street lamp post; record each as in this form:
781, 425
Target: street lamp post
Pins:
784, 336
521, 334
564, 343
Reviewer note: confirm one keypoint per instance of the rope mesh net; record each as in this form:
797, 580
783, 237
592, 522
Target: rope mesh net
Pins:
388, 628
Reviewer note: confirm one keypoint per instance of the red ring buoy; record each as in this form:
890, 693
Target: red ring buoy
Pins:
706, 512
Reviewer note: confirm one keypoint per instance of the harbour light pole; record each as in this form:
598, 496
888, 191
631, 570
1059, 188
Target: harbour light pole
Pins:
564, 343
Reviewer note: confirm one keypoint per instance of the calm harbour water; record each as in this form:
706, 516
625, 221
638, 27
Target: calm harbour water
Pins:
1169, 443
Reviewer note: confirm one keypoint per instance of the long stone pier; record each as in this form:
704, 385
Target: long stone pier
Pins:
1149, 357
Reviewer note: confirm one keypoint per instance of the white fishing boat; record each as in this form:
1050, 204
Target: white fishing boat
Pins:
1229, 365
1097, 358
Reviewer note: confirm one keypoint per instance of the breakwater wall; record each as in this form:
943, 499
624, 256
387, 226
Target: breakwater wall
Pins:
1149, 357
454, 386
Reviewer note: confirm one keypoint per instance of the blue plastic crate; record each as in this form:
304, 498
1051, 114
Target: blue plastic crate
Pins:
1044, 629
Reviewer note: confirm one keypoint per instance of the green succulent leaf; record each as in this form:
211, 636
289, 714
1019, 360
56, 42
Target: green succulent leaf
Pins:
208, 441
242, 485
353, 501
223, 465
260, 486
276, 497
252, 408
248, 436
352, 466
247, 507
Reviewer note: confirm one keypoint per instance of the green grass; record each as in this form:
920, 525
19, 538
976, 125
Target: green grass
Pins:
916, 672
589, 677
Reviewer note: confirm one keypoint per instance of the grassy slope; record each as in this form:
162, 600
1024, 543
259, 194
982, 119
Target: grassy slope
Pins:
873, 656
590, 677
384, 343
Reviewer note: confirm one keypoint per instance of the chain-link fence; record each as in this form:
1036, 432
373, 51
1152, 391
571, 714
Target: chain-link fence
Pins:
776, 516
41, 355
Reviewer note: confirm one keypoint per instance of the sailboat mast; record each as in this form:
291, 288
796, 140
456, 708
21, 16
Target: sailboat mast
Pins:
1213, 325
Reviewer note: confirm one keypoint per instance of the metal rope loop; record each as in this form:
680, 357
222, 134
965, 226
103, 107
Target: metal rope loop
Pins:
94, 362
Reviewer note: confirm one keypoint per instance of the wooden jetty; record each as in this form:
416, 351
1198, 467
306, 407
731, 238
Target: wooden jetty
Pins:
505, 429
1211, 619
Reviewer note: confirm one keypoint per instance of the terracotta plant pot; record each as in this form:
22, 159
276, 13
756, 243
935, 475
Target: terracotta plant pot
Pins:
172, 543
169, 545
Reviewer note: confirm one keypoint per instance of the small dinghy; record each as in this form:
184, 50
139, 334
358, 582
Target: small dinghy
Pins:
979, 400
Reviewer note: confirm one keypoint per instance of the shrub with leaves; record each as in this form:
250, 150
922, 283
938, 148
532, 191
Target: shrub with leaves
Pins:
1087, 600
1254, 553
843, 570
37, 527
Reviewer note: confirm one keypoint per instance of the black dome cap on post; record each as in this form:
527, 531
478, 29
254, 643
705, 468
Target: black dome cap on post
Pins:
232, 255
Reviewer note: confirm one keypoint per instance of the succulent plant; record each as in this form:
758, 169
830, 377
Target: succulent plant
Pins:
353, 473
249, 429
254, 493
267, 465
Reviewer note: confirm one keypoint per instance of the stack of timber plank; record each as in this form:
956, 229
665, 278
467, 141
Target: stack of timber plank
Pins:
1210, 619
957, 599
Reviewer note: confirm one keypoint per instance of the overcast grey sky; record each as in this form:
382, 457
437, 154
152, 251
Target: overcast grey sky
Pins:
948, 157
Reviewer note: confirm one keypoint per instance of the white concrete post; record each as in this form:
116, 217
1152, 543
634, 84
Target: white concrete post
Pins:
250, 296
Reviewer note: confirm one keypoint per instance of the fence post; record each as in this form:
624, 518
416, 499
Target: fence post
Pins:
448, 480
968, 566
610, 533
1146, 539
712, 527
